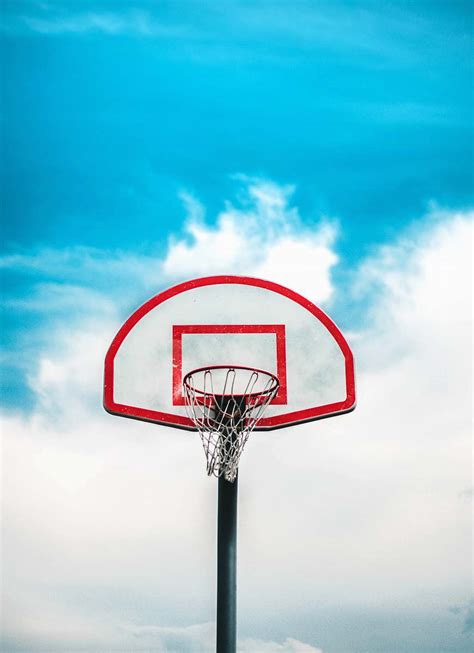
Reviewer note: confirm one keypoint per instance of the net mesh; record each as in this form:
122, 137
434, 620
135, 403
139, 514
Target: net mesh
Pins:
225, 403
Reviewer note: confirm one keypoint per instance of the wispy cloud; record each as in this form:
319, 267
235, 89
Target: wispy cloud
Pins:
254, 238
248, 236
200, 638
384, 32
109, 23
91, 265
251, 236
61, 298
290, 645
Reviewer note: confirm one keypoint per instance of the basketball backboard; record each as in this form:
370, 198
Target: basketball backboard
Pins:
229, 320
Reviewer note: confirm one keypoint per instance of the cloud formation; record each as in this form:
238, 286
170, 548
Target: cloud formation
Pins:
200, 638
334, 25
110, 23
85, 285
264, 237
107, 520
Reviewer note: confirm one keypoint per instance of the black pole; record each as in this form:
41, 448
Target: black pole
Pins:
226, 566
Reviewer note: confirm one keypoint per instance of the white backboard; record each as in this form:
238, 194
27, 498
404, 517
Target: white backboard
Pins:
229, 320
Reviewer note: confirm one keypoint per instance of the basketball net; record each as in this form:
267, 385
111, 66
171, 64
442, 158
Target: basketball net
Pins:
225, 403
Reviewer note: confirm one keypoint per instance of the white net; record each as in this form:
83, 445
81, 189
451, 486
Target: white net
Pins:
225, 403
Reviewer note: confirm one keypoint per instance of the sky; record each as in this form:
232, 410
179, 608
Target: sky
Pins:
326, 146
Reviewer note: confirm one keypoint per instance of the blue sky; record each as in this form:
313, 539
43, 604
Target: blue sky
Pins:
365, 106
143, 144
112, 109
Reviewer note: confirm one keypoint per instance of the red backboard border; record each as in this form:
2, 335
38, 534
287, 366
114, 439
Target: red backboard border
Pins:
266, 423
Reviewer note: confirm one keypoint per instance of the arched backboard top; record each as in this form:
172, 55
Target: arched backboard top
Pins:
229, 320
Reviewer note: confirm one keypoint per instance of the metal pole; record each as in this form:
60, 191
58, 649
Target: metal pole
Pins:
226, 566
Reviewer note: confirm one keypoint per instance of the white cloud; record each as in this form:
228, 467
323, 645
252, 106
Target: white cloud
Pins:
200, 638
261, 236
107, 22
60, 629
62, 298
265, 237
333, 25
389, 474
302, 264
106, 517
290, 645
86, 265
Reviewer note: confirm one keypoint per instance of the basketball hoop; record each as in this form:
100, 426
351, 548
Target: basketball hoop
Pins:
198, 324
225, 403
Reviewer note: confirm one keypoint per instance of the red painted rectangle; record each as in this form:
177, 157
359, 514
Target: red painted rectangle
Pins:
280, 352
